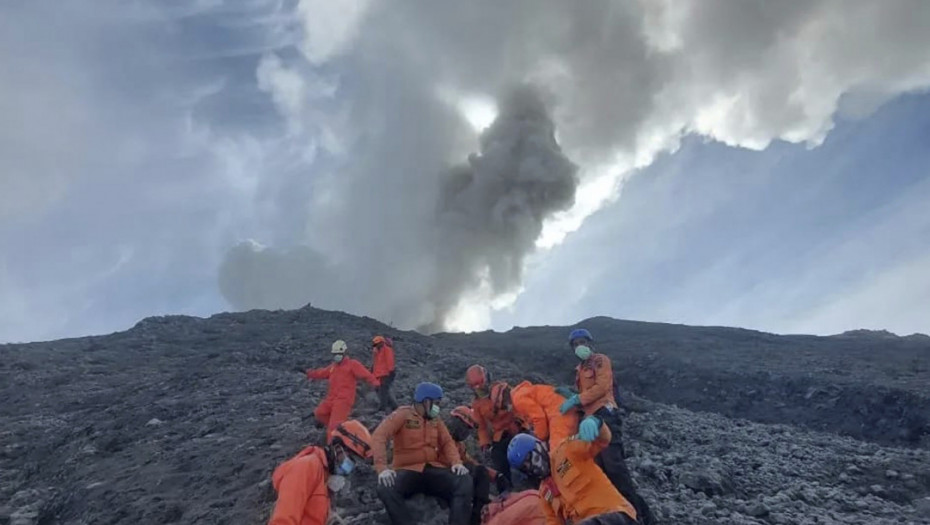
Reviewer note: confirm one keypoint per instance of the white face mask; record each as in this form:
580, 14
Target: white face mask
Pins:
336, 483
338, 357
583, 352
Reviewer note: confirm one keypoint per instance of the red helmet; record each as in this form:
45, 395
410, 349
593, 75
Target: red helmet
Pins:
477, 377
499, 391
465, 415
354, 436
378, 340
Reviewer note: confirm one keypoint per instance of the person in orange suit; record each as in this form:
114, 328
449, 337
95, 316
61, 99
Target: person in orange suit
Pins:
343, 376
574, 489
303, 482
496, 426
383, 369
461, 425
422, 450
537, 408
594, 379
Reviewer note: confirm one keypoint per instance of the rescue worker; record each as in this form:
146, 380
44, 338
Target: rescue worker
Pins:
537, 408
574, 489
594, 379
383, 368
496, 426
303, 482
461, 425
422, 448
343, 375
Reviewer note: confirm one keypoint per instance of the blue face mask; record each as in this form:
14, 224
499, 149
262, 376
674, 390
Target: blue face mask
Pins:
346, 467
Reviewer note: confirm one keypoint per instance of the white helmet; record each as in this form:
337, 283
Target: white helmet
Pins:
340, 347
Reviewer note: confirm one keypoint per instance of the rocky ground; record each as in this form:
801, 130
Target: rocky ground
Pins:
182, 420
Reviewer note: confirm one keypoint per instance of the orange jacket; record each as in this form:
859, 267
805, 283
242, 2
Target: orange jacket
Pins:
417, 441
538, 407
383, 363
492, 424
343, 377
303, 498
595, 381
578, 489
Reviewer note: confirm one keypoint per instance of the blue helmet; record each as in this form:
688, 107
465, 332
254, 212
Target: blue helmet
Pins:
520, 447
426, 391
579, 333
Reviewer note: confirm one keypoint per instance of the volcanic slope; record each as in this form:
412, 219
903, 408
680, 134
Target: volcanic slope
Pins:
182, 420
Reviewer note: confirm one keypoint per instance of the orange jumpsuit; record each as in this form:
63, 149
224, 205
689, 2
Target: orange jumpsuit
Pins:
340, 396
492, 424
303, 498
383, 363
538, 407
417, 442
577, 488
595, 381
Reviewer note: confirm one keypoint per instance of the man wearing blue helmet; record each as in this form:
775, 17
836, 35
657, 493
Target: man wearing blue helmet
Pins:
594, 379
422, 448
573, 489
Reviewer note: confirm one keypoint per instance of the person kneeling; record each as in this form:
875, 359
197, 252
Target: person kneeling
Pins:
422, 446
303, 482
568, 497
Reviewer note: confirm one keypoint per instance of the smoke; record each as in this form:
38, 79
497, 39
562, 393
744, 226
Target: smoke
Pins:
492, 209
399, 230
487, 214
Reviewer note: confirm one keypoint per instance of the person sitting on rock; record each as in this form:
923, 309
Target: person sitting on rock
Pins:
461, 425
303, 482
422, 449
594, 379
574, 489
343, 376
537, 410
495, 426
383, 369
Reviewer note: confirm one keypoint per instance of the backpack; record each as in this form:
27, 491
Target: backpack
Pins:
519, 508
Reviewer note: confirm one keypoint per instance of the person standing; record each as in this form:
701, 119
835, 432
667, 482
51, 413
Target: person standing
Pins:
594, 379
383, 369
343, 375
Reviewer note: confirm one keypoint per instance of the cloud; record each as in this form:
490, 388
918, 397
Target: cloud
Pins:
178, 132
623, 82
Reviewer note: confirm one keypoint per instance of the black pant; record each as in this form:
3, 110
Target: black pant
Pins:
481, 491
499, 460
614, 518
612, 461
387, 401
433, 481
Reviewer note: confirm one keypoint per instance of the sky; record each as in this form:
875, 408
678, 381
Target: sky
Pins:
466, 165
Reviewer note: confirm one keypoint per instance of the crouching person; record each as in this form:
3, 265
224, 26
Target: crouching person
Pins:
461, 425
574, 489
303, 482
422, 446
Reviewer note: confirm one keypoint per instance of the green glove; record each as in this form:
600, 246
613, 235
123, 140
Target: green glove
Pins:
569, 403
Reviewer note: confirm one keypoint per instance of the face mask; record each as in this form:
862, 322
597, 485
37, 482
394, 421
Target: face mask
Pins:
336, 483
345, 468
433, 412
337, 357
583, 352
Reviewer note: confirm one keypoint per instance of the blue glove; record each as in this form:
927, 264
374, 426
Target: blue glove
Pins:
564, 391
589, 428
569, 403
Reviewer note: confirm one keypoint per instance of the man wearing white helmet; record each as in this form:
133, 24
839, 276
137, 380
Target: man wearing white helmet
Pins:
343, 375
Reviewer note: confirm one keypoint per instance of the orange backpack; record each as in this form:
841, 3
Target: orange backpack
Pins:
519, 508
